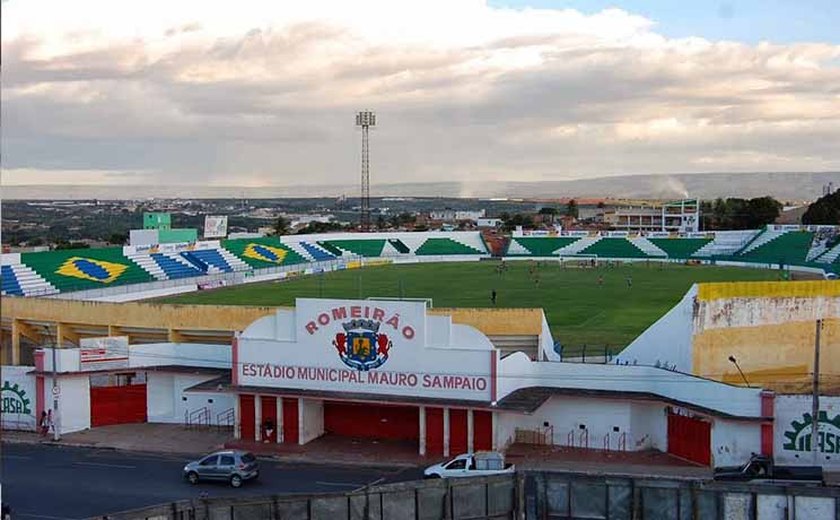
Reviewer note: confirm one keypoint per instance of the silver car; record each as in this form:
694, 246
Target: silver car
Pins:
234, 466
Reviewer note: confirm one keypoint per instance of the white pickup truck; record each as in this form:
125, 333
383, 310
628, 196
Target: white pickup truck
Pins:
470, 465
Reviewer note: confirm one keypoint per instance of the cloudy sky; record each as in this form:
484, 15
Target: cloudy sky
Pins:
253, 93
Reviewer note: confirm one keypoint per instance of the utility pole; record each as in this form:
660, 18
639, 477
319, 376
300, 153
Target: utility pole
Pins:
55, 391
815, 408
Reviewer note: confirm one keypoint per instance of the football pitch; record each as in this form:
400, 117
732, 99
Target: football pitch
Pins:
580, 310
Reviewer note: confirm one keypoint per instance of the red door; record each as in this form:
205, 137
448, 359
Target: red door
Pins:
482, 430
269, 416
372, 421
290, 420
690, 438
117, 405
434, 431
457, 431
246, 417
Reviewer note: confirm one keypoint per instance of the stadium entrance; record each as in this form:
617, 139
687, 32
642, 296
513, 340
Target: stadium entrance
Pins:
371, 370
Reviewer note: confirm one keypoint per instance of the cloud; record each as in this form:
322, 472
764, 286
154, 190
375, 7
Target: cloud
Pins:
200, 92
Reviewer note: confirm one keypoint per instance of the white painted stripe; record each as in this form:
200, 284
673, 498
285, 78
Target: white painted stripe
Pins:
28, 515
19, 457
104, 465
375, 482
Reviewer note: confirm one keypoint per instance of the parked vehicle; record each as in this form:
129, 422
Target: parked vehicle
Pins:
761, 467
234, 466
470, 465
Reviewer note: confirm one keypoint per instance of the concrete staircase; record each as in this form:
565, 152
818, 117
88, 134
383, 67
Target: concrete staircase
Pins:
148, 264
648, 247
576, 247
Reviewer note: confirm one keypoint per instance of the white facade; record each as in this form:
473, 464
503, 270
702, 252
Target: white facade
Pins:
168, 401
793, 427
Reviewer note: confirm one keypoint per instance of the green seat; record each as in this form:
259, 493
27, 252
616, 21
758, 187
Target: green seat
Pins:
81, 269
680, 247
263, 252
363, 247
615, 248
445, 246
543, 246
790, 248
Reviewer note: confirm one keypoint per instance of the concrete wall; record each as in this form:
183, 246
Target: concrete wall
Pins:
73, 402
167, 401
187, 354
648, 427
310, 419
769, 327
733, 442
668, 341
792, 431
18, 398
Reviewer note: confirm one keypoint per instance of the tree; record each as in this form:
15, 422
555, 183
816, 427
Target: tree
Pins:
380, 222
281, 226
117, 238
762, 211
825, 210
572, 208
548, 213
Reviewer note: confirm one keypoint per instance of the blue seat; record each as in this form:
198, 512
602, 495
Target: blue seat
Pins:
175, 269
317, 253
10, 281
205, 258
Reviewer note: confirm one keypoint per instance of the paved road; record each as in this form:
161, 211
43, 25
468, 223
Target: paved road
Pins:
54, 483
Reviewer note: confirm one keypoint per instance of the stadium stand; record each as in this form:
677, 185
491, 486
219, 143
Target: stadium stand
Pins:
260, 253
445, 246
538, 246
367, 248
20, 280
577, 246
80, 269
174, 266
647, 247
831, 256
399, 246
317, 253
774, 246
726, 243
208, 260
614, 248
681, 248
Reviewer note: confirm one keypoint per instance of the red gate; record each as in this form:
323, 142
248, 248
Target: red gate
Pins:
117, 405
690, 438
434, 431
247, 416
372, 421
482, 430
269, 415
457, 431
290, 420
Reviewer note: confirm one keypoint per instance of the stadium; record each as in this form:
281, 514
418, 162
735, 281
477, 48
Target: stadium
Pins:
445, 340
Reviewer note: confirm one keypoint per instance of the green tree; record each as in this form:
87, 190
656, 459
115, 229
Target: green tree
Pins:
761, 211
825, 210
548, 213
117, 238
572, 209
281, 226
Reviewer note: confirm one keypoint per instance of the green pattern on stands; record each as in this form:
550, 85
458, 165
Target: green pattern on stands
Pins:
614, 248
399, 245
365, 247
445, 246
238, 247
789, 248
680, 247
46, 264
543, 246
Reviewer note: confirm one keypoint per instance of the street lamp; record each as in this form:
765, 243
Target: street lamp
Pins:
735, 362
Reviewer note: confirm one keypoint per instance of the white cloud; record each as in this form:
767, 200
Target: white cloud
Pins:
259, 92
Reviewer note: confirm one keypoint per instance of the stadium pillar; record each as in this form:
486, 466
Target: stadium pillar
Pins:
470, 430
237, 418
446, 432
15, 344
279, 425
258, 418
815, 410
422, 449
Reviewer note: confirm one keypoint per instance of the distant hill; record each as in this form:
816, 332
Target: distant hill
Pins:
783, 186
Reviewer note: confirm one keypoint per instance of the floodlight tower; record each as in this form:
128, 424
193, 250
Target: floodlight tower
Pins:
365, 120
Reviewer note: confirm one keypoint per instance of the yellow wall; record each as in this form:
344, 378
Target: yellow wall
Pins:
770, 329
497, 322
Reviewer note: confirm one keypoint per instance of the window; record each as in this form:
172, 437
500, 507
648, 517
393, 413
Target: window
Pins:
226, 460
209, 461
248, 458
457, 464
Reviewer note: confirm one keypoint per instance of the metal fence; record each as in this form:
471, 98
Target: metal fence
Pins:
525, 495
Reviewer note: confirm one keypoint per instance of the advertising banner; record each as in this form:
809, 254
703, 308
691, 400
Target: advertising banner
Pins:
793, 430
103, 353
215, 226
367, 346
18, 398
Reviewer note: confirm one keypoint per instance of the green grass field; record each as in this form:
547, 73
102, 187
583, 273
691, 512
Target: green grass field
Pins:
579, 311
